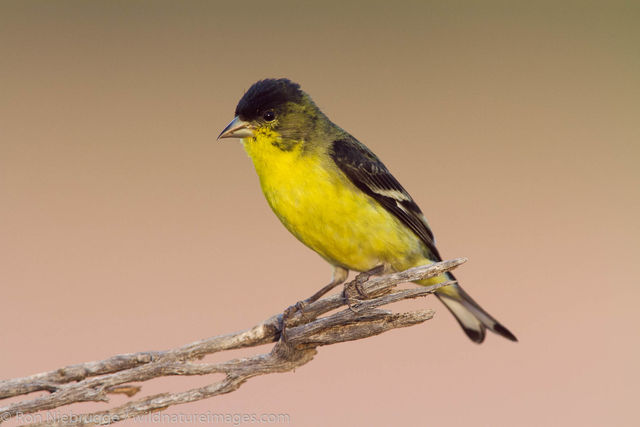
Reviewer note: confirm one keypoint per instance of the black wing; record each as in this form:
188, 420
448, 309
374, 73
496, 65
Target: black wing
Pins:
370, 175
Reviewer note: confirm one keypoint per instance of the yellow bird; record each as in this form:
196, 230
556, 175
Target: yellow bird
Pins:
332, 193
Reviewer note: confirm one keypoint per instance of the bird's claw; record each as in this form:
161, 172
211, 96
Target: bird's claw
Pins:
349, 292
288, 313
357, 283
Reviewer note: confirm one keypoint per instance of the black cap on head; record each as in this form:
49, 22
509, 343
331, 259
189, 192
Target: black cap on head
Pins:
267, 94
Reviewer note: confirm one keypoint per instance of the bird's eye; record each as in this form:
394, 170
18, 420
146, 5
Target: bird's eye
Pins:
269, 116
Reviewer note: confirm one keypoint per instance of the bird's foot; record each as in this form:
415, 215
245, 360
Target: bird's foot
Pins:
339, 276
355, 287
350, 291
288, 313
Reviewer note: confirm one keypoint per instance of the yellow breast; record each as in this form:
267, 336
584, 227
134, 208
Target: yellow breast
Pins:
324, 210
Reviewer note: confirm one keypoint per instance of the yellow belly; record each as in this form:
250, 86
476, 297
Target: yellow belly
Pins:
318, 205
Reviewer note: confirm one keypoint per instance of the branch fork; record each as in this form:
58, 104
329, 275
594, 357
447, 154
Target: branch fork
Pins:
306, 331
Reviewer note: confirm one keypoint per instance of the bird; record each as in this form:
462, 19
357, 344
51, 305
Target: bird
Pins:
336, 196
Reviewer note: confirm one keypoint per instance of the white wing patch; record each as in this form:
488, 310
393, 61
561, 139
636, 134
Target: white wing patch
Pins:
394, 194
398, 204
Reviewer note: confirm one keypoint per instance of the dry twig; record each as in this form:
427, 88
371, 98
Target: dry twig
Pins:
93, 381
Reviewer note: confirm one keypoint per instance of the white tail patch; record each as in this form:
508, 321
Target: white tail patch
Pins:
465, 316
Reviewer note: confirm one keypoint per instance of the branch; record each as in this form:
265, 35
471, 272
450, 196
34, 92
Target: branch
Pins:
94, 381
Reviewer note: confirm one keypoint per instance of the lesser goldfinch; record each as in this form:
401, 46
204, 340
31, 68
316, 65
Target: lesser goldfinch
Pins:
337, 197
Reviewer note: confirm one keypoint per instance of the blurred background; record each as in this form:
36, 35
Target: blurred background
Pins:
125, 226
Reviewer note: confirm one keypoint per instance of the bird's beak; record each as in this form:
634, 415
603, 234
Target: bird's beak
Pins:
237, 129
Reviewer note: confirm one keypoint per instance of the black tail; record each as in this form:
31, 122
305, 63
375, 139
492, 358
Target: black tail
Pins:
473, 318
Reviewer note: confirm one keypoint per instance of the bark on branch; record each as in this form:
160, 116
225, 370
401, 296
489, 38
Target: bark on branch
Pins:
94, 381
